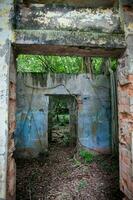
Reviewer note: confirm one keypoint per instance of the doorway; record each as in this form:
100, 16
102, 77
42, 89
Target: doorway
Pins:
52, 172
62, 120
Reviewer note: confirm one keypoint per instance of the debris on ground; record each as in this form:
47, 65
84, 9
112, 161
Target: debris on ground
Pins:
60, 176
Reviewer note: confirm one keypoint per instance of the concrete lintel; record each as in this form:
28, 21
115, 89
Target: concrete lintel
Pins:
69, 43
42, 17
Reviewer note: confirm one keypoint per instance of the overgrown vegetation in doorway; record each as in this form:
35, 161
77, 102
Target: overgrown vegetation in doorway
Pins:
63, 64
57, 175
62, 120
46, 64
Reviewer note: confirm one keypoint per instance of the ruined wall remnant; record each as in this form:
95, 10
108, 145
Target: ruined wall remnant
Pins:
67, 28
94, 115
125, 104
32, 110
31, 116
86, 36
6, 8
41, 17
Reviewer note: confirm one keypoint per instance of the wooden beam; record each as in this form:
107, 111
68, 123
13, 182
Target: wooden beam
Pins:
75, 3
66, 50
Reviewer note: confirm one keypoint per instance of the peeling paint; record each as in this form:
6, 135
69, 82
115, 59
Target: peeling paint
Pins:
93, 120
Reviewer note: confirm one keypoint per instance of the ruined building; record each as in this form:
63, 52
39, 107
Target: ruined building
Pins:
67, 27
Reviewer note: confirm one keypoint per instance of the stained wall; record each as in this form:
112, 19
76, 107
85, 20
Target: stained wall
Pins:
32, 110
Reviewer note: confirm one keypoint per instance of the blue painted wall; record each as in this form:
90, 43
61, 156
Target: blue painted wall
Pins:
94, 121
94, 124
31, 129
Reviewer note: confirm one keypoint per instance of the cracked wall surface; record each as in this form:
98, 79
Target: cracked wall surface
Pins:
93, 126
41, 17
6, 11
77, 31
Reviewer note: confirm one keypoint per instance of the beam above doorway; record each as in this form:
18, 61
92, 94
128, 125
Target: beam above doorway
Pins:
50, 42
75, 3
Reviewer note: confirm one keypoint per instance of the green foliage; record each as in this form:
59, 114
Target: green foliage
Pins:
66, 139
87, 156
60, 64
59, 111
98, 63
63, 119
54, 64
114, 63
82, 185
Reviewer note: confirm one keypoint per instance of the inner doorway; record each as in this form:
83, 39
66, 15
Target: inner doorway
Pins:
62, 120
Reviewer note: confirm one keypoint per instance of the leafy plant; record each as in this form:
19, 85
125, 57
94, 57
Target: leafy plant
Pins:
60, 64
114, 64
82, 184
54, 64
63, 119
66, 139
98, 63
87, 156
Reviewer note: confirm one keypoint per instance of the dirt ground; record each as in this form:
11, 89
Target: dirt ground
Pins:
60, 176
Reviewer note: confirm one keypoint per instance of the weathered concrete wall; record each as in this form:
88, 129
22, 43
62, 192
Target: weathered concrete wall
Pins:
60, 84
31, 117
93, 112
73, 121
125, 104
41, 17
94, 115
71, 31
6, 9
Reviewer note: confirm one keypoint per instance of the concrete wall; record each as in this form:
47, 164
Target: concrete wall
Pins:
68, 30
31, 117
6, 9
42, 17
32, 110
94, 115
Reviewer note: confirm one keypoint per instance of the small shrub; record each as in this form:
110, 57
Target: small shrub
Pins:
82, 185
87, 156
66, 139
63, 120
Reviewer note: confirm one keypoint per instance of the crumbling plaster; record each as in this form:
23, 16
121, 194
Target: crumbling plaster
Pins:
93, 106
22, 42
